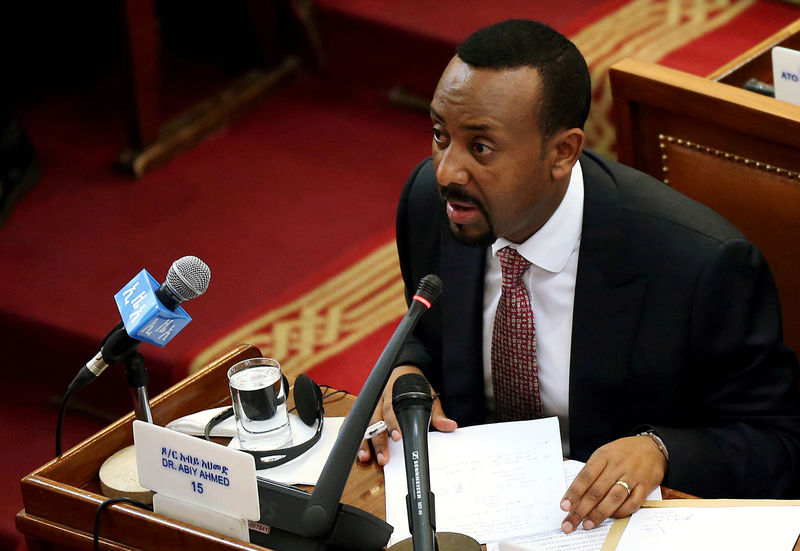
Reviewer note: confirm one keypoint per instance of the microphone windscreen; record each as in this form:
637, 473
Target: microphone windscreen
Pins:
188, 277
430, 287
411, 382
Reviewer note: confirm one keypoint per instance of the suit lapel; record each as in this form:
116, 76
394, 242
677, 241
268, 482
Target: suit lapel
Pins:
608, 300
462, 306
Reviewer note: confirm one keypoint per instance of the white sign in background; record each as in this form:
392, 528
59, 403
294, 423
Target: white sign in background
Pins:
196, 471
786, 74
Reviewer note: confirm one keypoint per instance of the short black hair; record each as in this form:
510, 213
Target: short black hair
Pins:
566, 84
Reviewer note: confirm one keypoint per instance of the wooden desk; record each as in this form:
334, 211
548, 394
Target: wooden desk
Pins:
61, 497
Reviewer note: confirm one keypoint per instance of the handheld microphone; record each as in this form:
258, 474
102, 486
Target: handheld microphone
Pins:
412, 401
150, 313
296, 518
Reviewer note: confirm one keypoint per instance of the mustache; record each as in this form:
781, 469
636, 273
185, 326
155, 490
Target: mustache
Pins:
453, 193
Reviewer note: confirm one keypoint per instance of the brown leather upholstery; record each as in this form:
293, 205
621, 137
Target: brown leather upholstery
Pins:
736, 151
761, 200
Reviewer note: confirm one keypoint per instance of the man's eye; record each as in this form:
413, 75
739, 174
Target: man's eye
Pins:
481, 149
438, 135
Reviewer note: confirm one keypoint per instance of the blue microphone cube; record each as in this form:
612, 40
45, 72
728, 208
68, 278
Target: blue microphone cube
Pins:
145, 318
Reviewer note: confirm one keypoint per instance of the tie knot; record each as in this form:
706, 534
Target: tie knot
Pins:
512, 264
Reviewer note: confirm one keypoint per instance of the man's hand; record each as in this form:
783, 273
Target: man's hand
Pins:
380, 443
596, 494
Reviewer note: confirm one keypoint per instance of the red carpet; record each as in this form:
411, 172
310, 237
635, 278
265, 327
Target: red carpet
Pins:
268, 205
285, 201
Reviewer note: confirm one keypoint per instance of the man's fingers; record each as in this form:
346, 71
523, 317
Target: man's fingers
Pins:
392, 428
585, 492
380, 444
614, 482
439, 420
613, 500
633, 503
591, 502
384, 410
363, 452
586, 477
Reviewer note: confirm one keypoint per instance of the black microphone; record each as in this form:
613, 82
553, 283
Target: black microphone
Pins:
187, 278
296, 518
330, 486
412, 401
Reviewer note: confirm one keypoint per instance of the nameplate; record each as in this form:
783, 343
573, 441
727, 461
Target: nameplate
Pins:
786, 74
196, 471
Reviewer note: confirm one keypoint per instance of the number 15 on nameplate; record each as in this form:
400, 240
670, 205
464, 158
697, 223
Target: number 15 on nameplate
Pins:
196, 471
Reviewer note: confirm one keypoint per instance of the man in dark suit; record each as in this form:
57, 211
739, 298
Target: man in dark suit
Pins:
656, 330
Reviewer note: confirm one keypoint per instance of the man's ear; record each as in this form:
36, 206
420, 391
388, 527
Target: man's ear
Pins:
567, 146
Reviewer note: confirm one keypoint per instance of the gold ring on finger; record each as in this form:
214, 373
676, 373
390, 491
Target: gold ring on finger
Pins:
624, 485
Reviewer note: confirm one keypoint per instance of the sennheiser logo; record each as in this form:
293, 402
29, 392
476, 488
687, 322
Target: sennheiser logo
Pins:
416, 481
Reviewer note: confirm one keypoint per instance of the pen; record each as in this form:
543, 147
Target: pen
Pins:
374, 430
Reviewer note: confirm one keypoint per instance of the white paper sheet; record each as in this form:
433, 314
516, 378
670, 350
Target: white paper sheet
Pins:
490, 482
195, 423
556, 540
703, 528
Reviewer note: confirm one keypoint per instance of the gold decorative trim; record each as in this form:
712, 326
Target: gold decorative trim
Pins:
664, 140
326, 320
647, 30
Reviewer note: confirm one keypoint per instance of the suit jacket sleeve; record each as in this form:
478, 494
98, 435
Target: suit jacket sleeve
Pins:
743, 392
409, 238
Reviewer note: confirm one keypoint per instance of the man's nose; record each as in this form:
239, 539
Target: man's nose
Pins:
451, 167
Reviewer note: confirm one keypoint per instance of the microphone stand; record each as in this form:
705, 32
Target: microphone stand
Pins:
136, 375
294, 519
119, 347
122, 348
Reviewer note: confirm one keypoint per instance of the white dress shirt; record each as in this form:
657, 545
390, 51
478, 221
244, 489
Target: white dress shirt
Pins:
550, 282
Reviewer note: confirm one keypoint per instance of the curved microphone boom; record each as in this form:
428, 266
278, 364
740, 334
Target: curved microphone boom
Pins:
412, 402
319, 513
299, 520
187, 278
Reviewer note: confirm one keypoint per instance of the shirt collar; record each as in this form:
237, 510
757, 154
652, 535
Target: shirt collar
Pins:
551, 246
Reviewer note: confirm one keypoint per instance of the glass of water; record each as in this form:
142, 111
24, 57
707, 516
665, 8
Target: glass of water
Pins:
259, 404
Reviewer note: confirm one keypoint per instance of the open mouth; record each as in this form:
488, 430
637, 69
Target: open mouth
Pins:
460, 207
461, 212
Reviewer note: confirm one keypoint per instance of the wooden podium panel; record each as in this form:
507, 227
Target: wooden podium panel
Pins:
61, 497
734, 150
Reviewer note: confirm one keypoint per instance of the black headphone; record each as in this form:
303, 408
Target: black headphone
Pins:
308, 403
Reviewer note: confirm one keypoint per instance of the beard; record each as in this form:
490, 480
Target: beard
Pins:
481, 240
459, 231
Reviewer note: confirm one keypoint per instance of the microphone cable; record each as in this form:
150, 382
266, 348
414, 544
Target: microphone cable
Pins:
105, 505
61, 413
70, 390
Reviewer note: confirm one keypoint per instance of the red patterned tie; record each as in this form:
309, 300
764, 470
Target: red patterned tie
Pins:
515, 370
